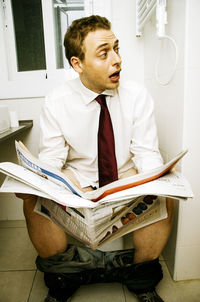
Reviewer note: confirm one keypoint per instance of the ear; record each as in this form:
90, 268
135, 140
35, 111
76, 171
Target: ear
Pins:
76, 64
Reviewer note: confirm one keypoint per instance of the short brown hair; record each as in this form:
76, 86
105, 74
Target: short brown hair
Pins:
77, 32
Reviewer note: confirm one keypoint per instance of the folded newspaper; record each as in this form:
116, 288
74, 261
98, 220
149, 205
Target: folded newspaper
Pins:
102, 215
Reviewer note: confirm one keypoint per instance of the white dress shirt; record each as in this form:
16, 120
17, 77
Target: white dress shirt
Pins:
69, 125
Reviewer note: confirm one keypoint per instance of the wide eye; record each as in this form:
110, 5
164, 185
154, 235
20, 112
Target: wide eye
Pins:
116, 49
103, 54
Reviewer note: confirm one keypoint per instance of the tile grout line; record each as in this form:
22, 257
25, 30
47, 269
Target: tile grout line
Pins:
17, 270
32, 286
124, 293
12, 227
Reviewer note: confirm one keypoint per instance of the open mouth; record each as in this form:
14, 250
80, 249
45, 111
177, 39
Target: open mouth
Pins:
115, 76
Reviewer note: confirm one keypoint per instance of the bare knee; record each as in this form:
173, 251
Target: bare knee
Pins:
150, 240
47, 237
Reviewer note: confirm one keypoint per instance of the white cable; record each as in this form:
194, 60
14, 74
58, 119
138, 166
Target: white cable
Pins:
158, 61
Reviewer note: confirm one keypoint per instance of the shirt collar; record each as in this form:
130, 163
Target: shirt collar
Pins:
87, 94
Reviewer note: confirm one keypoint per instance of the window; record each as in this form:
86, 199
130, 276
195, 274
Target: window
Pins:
32, 50
64, 14
29, 35
29, 31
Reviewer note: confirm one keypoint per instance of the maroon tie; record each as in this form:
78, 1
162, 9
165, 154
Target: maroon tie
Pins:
107, 163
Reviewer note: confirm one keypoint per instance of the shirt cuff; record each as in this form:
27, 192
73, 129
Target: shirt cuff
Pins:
143, 164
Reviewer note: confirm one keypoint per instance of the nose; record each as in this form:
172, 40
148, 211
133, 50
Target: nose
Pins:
116, 58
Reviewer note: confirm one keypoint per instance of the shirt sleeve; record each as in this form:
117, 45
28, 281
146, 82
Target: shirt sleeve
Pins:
144, 142
53, 147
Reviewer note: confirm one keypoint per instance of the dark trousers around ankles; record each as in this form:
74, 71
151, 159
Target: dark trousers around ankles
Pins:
64, 273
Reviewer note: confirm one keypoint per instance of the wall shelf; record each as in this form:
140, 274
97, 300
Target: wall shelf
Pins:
23, 126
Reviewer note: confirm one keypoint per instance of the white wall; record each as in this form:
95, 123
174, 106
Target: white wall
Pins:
168, 99
188, 244
131, 48
177, 111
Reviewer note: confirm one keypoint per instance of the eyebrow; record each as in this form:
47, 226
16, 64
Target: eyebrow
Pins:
106, 44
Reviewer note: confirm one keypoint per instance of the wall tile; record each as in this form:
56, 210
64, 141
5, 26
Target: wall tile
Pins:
193, 36
190, 223
188, 263
169, 102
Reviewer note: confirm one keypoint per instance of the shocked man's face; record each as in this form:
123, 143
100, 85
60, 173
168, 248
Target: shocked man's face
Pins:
100, 69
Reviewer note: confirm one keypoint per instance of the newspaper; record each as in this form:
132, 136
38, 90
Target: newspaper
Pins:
101, 215
100, 224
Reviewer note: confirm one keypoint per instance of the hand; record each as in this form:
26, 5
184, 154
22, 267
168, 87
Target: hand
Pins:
128, 173
86, 189
73, 179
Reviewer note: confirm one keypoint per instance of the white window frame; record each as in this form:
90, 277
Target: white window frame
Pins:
31, 84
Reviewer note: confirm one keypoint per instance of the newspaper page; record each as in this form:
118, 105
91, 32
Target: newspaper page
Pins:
50, 181
27, 160
97, 226
172, 185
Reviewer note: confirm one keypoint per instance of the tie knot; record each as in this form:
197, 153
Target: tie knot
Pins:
101, 99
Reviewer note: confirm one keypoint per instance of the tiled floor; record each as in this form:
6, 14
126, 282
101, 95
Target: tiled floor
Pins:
21, 282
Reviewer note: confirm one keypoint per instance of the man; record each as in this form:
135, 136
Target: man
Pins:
69, 131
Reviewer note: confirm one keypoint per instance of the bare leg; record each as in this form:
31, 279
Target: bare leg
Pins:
46, 236
150, 240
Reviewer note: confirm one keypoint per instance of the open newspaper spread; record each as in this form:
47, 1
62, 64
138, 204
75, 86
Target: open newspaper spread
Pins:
102, 215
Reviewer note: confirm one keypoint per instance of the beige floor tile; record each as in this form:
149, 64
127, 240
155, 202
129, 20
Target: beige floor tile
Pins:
16, 250
15, 286
99, 292
39, 290
180, 291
